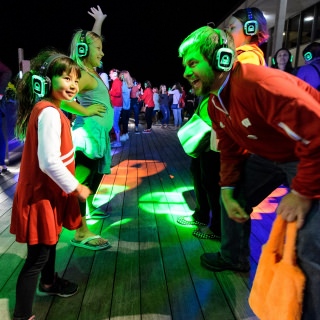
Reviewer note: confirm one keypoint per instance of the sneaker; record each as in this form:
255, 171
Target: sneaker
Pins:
123, 138
147, 131
116, 144
214, 262
204, 235
60, 287
136, 130
189, 220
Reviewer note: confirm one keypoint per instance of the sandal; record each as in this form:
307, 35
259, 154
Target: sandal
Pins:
201, 235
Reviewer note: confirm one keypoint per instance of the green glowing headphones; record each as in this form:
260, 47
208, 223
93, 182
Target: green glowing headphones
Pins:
223, 57
251, 26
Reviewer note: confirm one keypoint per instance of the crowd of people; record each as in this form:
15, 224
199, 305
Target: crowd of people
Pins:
238, 169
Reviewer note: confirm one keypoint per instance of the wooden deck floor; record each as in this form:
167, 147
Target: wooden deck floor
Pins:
152, 270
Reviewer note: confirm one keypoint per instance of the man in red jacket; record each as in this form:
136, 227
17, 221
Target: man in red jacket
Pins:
267, 126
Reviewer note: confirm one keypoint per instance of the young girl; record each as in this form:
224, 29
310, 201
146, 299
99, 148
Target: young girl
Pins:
90, 134
47, 192
247, 43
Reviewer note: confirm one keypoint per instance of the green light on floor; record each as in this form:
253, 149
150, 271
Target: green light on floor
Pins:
166, 202
107, 193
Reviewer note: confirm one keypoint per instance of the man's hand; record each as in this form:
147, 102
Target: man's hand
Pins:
96, 110
232, 206
294, 207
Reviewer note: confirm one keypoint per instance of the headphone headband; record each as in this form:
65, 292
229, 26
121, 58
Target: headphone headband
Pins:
249, 14
45, 66
251, 26
82, 46
41, 83
223, 56
83, 36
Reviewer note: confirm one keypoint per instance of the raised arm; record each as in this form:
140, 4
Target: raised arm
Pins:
99, 17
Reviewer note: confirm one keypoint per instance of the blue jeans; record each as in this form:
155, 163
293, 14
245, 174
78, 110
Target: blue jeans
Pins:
177, 116
116, 118
260, 178
135, 107
165, 113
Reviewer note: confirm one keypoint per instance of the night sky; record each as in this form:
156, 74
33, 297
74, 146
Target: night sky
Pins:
140, 36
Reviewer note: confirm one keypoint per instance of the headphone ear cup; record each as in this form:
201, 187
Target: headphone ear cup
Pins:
223, 59
307, 56
40, 85
82, 49
250, 27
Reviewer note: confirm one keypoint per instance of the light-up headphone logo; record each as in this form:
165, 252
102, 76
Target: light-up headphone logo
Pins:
37, 87
307, 56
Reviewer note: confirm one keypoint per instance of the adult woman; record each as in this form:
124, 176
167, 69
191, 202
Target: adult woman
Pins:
282, 60
135, 104
177, 93
127, 84
164, 106
117, 102
147, 98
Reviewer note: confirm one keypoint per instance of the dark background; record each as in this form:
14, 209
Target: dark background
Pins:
140, 36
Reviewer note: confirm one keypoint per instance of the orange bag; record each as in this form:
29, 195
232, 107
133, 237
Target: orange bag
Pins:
277, 289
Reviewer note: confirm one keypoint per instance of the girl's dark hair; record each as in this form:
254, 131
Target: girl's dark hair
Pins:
26, 98
178, 86
147, 84
288, 67
262, 34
